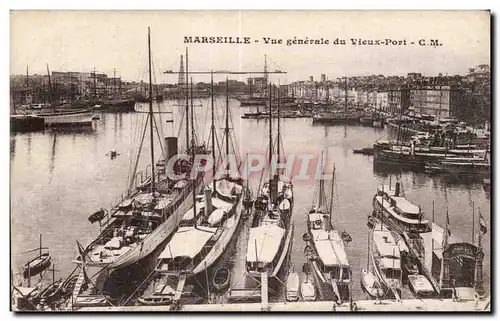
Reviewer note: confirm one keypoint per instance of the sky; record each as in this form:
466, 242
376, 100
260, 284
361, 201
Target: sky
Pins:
107, 40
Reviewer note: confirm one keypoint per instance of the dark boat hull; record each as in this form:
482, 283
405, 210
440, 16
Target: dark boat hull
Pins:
24, 124
122, 106
37, 267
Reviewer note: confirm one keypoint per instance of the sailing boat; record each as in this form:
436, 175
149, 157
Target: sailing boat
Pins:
206, 231
325, 249
385, 259
38, 264
369, 282
150, 212
62, 118
271, 233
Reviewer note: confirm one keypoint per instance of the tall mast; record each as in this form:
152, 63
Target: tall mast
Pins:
321, 183
345, 94
270, 133
226, 130
50, 89
212, 128
331, 196
278, 138
192, 150
265, 72
187, 101
27, 84
95, 87
151, 117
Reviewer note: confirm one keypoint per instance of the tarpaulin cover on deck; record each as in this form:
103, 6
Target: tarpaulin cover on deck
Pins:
187, 241
330, 248
264, 242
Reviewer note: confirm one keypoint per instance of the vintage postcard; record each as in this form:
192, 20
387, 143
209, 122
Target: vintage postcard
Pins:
250, 161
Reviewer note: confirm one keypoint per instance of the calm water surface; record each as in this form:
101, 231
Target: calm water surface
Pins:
59, 178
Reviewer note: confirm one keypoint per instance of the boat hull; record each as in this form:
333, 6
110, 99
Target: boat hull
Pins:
223, 243
122, 106
153, 240
68, 119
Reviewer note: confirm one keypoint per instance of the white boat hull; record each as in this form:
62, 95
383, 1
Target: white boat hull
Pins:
222, 244
286, 249
153, 240
68, 119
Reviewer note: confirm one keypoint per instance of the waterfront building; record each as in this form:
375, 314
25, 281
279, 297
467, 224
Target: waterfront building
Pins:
382, 100
398, 100
438, 101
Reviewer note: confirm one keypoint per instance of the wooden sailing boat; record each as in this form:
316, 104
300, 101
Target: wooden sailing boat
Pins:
369, 282
272, 228
207, 229
150, 212
65, 118
325, 249
385, 259
38, 264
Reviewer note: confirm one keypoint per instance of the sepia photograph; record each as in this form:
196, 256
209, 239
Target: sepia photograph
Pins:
250, 161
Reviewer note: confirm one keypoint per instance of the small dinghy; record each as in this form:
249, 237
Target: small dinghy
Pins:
97, 216
292, 286
372, 221
345, 237
371, 284
308, 291
36, 265
221, 278
51, 293
420, 286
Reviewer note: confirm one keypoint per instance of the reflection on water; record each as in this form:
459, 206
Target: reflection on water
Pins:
61, 177
52, 157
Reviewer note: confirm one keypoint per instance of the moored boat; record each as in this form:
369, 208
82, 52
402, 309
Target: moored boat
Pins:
149, 213
370, 284
36, 265
206, 231
326, 249
420, 286
67, 118
292, 286
39, 263
221, 278
385, 259
271, 231
396, 211
307, 290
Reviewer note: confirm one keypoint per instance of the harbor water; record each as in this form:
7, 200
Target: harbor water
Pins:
59, 178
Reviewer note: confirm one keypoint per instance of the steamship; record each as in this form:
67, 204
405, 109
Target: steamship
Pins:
396, 211
149, 213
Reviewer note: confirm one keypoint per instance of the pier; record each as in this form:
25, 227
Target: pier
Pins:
445, 305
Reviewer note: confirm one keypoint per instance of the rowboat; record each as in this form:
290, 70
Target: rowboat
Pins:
370, 284
308, 291
221, 278
36, 265
292, 286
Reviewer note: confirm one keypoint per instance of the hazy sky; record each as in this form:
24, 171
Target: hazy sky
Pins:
80, 40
